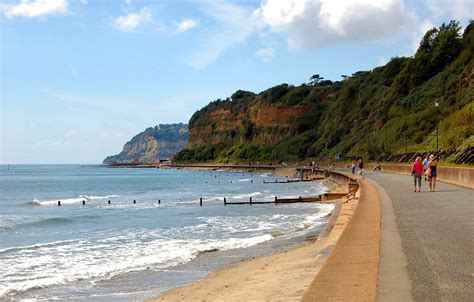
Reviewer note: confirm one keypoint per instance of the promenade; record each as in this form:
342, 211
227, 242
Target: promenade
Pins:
427, 241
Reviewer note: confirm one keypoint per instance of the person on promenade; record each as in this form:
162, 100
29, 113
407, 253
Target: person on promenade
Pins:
425, 166
432, 167
361, 164
353, 167
417, 171
377, 167
351, 195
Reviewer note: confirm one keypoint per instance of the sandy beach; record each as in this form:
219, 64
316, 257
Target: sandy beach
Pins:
285, 276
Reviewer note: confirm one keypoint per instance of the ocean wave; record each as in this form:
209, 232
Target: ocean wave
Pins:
37, 246
247, 195
99, 261
71, 200
315, 219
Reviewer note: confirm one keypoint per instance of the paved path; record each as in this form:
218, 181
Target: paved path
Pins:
437, 235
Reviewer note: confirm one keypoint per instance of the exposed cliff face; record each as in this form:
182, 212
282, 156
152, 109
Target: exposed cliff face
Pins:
259, 124
241, 125
160, 142
371, 113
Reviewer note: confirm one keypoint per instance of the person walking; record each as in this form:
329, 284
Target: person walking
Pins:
353, 167
417, 171
425, 166
433, 173
361, 164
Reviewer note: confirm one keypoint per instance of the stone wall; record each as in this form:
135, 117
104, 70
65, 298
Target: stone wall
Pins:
462, 176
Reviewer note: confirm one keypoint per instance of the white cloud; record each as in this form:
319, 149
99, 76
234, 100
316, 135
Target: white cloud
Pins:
38, 8
266, 54
418, 34
235, 26
186, 25
132, 20
457, 9
318, 23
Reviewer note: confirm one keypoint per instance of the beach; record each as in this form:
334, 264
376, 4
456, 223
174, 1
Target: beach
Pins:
283, 276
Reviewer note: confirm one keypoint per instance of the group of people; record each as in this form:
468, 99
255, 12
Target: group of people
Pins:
361, 167
427, 168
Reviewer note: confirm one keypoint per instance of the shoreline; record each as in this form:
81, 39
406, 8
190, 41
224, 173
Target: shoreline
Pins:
284, 275
208, 262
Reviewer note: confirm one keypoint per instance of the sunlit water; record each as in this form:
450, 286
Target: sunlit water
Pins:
47, 249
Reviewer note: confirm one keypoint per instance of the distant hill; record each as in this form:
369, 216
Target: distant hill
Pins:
162, 141
367, 114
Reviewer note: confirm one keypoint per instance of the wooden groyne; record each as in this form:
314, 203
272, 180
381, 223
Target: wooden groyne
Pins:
323, 198
285, 181
308, 175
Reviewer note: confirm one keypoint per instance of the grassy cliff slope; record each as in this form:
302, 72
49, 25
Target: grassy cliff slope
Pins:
381, 111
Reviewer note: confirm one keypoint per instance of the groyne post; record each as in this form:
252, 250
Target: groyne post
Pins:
134, 201
159, 201
83, 202
200, 201
250, 200
225, 201
108, 201
59, 203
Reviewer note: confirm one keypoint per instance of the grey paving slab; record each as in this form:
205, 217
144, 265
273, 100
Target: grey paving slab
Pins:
437, 234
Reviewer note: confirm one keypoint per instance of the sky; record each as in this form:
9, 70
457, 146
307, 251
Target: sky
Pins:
79, 78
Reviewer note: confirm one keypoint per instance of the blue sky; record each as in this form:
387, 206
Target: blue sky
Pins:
80, 78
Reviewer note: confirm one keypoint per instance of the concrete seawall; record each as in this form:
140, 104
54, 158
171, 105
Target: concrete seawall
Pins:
462, 176
351, 270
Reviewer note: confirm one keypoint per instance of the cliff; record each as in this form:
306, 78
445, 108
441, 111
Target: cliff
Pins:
160, 142
382, 111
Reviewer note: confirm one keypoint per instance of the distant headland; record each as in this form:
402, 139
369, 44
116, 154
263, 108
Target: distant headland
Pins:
155, 143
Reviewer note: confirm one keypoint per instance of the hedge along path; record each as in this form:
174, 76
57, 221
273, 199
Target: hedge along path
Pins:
351, 271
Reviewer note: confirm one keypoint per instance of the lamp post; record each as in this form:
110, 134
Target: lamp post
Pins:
437, 148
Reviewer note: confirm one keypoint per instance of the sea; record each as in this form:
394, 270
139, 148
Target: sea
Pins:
153, 234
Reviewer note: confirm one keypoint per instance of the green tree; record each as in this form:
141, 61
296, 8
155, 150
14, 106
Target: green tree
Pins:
315, 79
